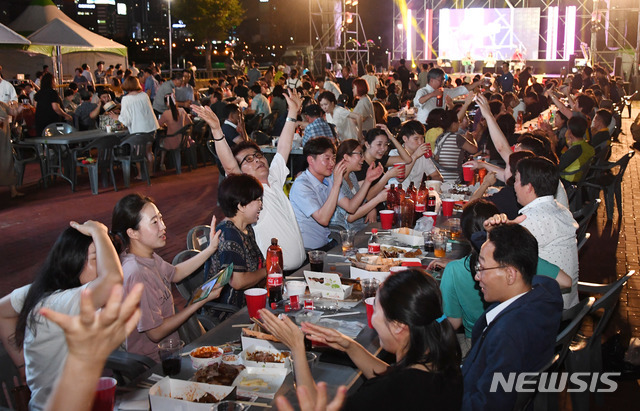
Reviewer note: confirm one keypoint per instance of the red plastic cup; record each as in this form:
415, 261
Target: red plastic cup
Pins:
400, 166
431, 214
467, 173
105, 394
386, 219
369, 302
428, 153
256, 300
447, 207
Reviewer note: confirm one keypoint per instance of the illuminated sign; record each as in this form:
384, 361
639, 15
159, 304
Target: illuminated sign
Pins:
109, 2
86, 6
122, 9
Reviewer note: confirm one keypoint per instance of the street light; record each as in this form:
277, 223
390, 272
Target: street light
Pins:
170, 43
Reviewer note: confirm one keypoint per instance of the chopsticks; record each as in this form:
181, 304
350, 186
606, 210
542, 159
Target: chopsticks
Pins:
339, 314
241, 325
254, 404
255, 320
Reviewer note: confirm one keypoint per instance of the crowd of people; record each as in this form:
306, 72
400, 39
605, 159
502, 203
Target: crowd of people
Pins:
504, 297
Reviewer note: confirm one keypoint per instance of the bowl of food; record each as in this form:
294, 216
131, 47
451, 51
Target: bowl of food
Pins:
230, 358
207, 355
265, 357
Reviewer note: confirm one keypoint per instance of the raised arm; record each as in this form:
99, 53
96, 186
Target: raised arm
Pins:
294, 102
497, 136
566, 111
222, 147
352, 204
108, 265
323, 215
403, 155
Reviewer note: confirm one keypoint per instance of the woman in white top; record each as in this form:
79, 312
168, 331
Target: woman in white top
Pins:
344, 120
136, 112
364, 107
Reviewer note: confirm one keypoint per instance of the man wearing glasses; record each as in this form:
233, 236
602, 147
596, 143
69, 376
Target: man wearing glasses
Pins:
277, 218
517, 332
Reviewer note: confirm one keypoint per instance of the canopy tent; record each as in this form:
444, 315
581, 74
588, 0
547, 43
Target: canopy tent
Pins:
8, 36
37, 15
57, 40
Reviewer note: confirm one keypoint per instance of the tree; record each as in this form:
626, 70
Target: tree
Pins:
209, 20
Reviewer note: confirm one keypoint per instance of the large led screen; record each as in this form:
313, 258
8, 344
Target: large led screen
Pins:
480, 31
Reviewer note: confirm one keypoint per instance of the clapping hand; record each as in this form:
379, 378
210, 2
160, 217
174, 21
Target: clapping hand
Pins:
331, 337
374, 172
214, 236
307, 403
293, 100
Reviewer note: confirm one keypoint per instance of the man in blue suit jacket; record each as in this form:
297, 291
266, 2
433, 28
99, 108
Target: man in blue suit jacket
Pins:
517, 333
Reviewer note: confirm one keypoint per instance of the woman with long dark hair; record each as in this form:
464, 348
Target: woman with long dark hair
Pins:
173, 119
139, 230
82, 258
411, 326
48, 104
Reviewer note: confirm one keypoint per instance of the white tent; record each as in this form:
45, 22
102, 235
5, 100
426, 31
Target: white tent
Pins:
8, 36
56, 34
36, 15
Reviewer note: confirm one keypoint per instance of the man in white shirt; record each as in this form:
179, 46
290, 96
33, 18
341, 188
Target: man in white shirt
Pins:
551, 223
86, 73
372, 80
7, 91
277, 218
426, 98
517, 333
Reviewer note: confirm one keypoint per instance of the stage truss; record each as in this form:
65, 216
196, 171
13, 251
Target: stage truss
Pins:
336, 31
590, 17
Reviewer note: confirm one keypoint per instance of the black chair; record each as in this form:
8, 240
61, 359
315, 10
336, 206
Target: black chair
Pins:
96, 157
23, 154
610, 183
185, 137
126, 366
531, 399
198, 237
201, 136
585, 355
56, 129
212, 149
134, 150
187, 286
269, 122
583, 217
254, 123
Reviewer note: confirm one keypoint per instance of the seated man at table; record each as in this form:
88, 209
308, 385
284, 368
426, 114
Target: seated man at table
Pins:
233, 125
579, 152
600, 128
318, 126
277, 218
87, 112
259, 103
315, 193
551, 223
517, 333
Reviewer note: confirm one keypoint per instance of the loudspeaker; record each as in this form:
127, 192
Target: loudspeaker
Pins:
617, 66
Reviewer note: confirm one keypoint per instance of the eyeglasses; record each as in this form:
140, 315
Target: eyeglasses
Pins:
479, 268
356, 153
252, 157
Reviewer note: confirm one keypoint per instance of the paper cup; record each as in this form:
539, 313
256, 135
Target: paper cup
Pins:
369, 302
431, 214
256, 300
400, 166
386, 219
296, 288
447, 207
467, 173
105, 394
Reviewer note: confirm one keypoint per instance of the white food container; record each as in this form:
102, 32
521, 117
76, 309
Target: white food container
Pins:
161, 394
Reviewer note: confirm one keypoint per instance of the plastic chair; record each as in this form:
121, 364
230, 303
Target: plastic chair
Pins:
200, 136
56, 129
212, 149
23, 154
103, 161
583, 217
611, 183
134, 150
586, 355
126, 366
188, 285
254, 123
185, 134
198, 237
532, 400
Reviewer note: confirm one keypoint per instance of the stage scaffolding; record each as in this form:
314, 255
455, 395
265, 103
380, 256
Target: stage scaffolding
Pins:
337, 34
600, 18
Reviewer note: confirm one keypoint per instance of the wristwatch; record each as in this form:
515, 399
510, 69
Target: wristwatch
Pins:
292, 119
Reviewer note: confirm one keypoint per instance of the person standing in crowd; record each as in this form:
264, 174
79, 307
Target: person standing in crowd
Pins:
48, 104
428, 97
